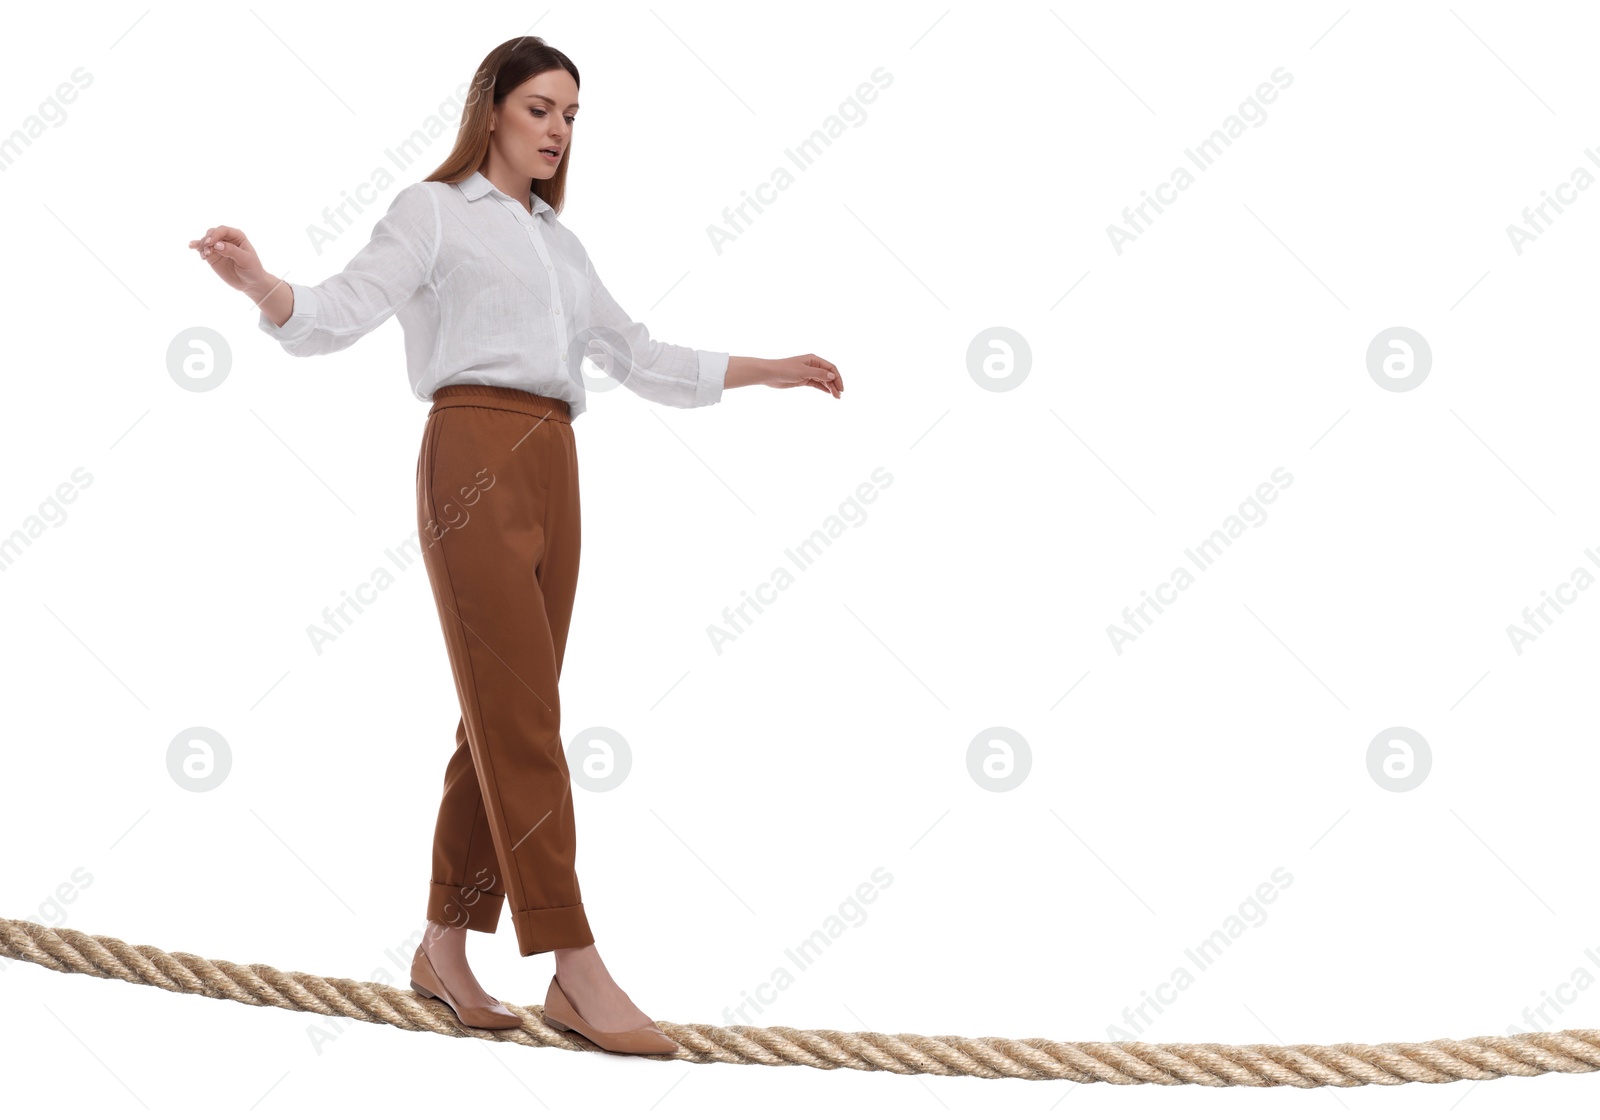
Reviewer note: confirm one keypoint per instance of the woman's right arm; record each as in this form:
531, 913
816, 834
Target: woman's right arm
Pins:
321, 318
278, 304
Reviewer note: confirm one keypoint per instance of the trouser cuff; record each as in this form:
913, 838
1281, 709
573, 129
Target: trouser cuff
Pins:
551, 927
464, 907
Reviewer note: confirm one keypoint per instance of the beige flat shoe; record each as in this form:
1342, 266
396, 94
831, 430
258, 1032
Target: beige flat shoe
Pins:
425, 981
560, 1014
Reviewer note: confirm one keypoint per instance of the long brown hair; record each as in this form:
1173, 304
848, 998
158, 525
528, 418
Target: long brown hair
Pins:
503, 70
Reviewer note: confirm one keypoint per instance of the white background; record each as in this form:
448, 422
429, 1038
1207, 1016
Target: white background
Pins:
831, 738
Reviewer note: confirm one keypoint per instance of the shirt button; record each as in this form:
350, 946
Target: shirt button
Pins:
563, 357
549, 267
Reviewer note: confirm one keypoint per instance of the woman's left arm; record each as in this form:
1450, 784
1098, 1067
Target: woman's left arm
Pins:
681, 375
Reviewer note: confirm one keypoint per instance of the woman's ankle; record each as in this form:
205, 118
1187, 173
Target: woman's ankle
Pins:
575, 958
439, 938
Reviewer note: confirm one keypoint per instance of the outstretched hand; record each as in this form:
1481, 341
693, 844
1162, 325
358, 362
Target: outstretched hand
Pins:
805, 369
232, 257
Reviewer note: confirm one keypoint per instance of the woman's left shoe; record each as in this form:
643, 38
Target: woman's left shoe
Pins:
425, 981
560, 1014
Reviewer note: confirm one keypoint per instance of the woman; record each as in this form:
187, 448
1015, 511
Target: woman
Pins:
500, 303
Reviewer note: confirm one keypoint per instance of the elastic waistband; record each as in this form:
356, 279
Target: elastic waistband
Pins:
500, 396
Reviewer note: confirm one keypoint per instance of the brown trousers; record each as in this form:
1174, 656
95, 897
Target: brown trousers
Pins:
497, 511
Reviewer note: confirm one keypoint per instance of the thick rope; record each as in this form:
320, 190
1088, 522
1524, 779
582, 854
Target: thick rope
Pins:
1036, 1059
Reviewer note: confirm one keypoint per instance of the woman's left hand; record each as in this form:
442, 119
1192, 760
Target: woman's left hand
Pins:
805, 369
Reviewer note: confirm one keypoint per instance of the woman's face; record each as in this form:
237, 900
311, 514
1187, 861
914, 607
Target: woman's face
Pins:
536, 118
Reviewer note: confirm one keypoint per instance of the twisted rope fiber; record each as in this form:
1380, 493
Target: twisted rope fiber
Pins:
1036, 1059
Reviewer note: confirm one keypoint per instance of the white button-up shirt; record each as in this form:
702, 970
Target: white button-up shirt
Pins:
488, 293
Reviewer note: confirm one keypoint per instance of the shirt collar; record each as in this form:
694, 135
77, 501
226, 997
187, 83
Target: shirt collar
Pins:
477, 185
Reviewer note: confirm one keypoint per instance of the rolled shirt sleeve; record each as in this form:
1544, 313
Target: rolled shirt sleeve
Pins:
380, 278
677, 376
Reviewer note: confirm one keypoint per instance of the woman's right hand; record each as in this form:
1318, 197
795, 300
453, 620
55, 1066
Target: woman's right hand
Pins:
233, 258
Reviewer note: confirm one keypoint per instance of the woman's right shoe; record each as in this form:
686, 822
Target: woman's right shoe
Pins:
425, 981
560, 1014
